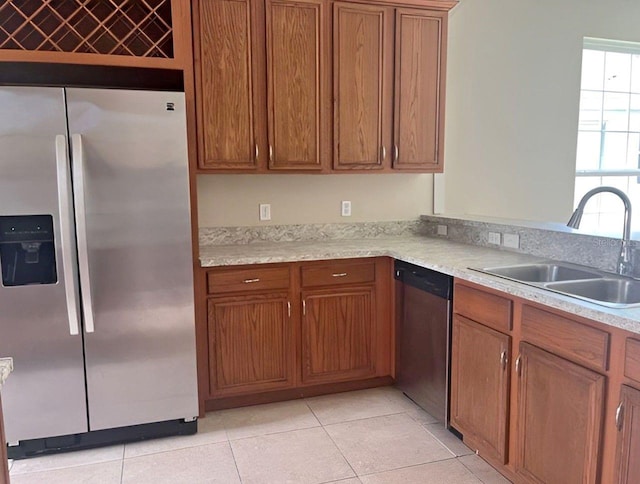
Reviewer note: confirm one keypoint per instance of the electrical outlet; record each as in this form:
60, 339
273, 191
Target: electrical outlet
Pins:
494, 238
346, 208
265, 211
511, 240
442, 230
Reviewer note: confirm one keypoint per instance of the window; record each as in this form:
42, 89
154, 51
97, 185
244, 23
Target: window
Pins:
608, 151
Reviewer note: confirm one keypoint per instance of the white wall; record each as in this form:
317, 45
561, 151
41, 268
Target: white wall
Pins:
513, 83
229, 200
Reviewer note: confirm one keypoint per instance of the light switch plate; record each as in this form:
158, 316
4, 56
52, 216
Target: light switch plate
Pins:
442, 230
511, 240
495, 238
265, 211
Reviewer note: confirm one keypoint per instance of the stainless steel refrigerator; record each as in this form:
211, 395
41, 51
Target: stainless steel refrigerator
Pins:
96, 300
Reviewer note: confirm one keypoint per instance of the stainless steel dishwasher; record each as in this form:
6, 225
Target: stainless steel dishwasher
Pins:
423, 318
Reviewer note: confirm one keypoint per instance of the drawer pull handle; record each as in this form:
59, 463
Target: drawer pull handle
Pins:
503, 360
518, 364
249, 281
339, 274
619, 416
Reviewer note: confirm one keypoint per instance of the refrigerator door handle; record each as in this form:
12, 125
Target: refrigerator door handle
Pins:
66, 233
81, 231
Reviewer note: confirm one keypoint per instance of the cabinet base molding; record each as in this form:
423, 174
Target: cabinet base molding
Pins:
295, 393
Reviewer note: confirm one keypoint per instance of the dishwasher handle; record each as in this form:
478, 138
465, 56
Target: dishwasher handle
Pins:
426, 280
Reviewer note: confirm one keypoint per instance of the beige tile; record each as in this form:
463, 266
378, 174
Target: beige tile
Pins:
446, 438
442, 472
384, 443
210, 431
103, 473
482, 470
351, 480
299, 456
212, 463
268, 419
343, 407
421, 416
68, 459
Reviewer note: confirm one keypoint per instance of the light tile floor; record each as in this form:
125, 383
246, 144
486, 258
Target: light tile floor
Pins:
375, 436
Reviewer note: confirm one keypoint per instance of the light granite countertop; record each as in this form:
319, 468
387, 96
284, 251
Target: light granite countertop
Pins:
6, 367
439, 254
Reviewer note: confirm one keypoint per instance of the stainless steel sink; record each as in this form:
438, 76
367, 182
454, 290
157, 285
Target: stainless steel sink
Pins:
588, 284
543, 272
613, 292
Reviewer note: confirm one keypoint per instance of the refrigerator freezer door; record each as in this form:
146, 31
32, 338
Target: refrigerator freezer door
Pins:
140, 358
45, 395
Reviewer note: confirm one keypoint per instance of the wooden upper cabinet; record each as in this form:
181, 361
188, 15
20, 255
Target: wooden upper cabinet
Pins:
419, 90
560, 412
297, 82
338, 335
230, 82
153, 33
363, 85
480, 386
628, 448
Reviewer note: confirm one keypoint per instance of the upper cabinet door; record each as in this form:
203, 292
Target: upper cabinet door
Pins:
419, 90
363, 85
297, 81
231, 85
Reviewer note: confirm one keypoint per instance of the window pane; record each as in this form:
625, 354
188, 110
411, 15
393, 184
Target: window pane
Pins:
588, 155
590, 111
632, 150
635, 73
634, 119
616, 112
614, 152
617, 72
592, 69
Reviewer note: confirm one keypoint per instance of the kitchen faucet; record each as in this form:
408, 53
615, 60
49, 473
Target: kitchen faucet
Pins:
625, 266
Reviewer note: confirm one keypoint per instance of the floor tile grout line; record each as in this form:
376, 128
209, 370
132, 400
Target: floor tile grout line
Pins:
476, 475
412, 465
235, 462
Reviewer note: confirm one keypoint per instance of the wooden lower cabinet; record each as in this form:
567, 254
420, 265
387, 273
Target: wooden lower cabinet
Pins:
250, 343
480, 386
628, 448
560, 413
338, 335
278, 331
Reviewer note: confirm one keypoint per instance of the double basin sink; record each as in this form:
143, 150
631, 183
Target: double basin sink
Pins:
588, 284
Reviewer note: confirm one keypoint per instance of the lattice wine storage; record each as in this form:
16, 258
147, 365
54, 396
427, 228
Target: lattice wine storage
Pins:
140, 28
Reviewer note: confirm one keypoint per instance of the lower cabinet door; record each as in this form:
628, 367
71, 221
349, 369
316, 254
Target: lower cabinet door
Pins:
338, 335
250, 344
480, 386
560, 411
628, 449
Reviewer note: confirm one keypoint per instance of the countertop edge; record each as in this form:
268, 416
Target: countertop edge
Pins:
6, 367
626, 319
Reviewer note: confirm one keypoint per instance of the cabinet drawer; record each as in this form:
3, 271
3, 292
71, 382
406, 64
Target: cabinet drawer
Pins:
340, 273
489, 309
566, 337
632, 359
252, 279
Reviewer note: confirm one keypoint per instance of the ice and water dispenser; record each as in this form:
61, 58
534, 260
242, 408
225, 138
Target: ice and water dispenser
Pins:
27, 250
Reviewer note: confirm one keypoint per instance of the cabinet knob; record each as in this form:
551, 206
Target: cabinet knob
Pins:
619, 416
339, 274
503, 359
256, 152
289, 308
270, 153
518, 364
249, 281
383, 153
396, 153
304, 307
